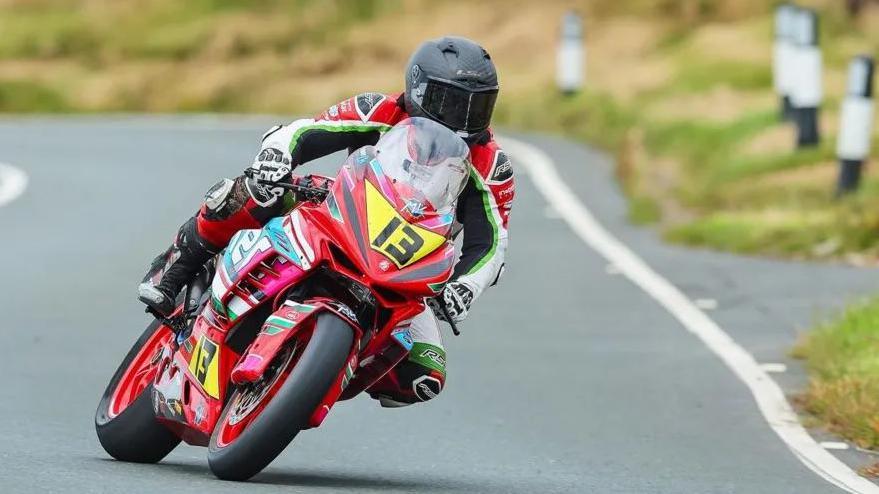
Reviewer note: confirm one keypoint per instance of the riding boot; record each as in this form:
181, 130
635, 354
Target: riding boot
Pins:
174, 268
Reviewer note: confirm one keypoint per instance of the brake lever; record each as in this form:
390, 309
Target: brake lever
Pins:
448, 317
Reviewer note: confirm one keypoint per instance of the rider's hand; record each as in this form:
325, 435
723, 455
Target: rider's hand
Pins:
271, 166
457, 298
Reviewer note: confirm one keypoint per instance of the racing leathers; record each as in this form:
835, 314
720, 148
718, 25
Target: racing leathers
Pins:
483, 209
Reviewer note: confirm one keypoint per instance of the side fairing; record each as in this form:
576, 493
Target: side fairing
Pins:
257, 265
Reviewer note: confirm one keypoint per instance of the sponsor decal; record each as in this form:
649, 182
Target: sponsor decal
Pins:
403, 337
429, 356
415, 73
367, 103
246, 246
384, 265
507, 192
342, 309
426, 387
435, 356
276, 324
333, 112
414, 207
175, 407
349, 371
262, 194
502, 170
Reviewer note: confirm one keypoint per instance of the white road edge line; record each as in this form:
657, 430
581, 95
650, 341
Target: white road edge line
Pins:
12, 183
768, 395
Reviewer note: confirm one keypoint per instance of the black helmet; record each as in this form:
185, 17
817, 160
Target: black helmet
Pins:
452, 80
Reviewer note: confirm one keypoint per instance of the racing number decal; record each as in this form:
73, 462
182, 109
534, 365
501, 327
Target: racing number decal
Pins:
203, 365
392, 236
400, 250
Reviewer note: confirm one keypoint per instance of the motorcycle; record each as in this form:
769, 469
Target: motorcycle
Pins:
289, 319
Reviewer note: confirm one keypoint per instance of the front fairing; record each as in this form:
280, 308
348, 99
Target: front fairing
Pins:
389, 247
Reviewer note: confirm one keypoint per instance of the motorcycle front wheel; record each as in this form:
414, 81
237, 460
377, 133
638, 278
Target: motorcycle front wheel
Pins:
262, 418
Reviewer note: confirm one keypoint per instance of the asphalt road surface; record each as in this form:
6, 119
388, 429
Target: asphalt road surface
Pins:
567, 378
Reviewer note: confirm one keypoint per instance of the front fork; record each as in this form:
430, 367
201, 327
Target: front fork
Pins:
295, 319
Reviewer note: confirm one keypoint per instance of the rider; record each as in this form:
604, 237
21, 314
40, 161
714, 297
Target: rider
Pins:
450, 80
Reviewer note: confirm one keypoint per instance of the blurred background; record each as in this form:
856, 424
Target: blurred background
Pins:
680, 91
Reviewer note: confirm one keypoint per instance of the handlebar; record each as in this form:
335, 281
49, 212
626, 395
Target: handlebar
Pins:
301, 186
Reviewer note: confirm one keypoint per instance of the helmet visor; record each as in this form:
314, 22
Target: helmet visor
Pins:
458, 108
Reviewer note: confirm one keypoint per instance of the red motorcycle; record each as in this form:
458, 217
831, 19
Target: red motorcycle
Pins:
289, 319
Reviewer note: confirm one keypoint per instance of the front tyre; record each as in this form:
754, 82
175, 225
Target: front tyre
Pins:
125, 423
262, 418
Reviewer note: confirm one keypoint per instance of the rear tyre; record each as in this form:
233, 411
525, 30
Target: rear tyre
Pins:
125, 422
241, 454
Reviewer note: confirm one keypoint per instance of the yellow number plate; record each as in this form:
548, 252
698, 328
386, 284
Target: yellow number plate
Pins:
392, 235
204, 365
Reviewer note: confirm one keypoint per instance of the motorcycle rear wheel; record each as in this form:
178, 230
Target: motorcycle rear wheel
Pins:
241, 454
124, 421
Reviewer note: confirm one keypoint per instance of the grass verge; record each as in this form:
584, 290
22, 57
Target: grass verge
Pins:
842, 357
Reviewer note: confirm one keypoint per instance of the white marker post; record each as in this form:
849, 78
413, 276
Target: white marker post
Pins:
806, 90
782, 55
571, 56
855, 124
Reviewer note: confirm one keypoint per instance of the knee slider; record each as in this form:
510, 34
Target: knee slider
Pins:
224, 199
425, 369
428, 386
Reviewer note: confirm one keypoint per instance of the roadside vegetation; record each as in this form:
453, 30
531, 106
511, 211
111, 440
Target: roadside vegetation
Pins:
689, 112
843, 361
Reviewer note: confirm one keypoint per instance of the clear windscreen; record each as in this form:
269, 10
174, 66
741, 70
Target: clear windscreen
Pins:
426, 163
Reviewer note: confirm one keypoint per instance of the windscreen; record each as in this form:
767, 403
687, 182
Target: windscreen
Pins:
427, 164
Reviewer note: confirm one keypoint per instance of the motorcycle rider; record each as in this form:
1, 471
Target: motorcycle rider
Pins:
450, 80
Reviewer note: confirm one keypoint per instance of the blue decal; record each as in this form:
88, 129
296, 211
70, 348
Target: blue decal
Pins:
376, 168
404, 338
274, 230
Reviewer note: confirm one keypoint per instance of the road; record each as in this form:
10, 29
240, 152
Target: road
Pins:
567, 378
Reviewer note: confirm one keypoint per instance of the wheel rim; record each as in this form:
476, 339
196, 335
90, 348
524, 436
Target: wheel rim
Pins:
249, 402
140, 371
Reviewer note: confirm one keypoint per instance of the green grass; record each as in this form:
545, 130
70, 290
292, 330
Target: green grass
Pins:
843, 359
166, 29
30, 97
705, 75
